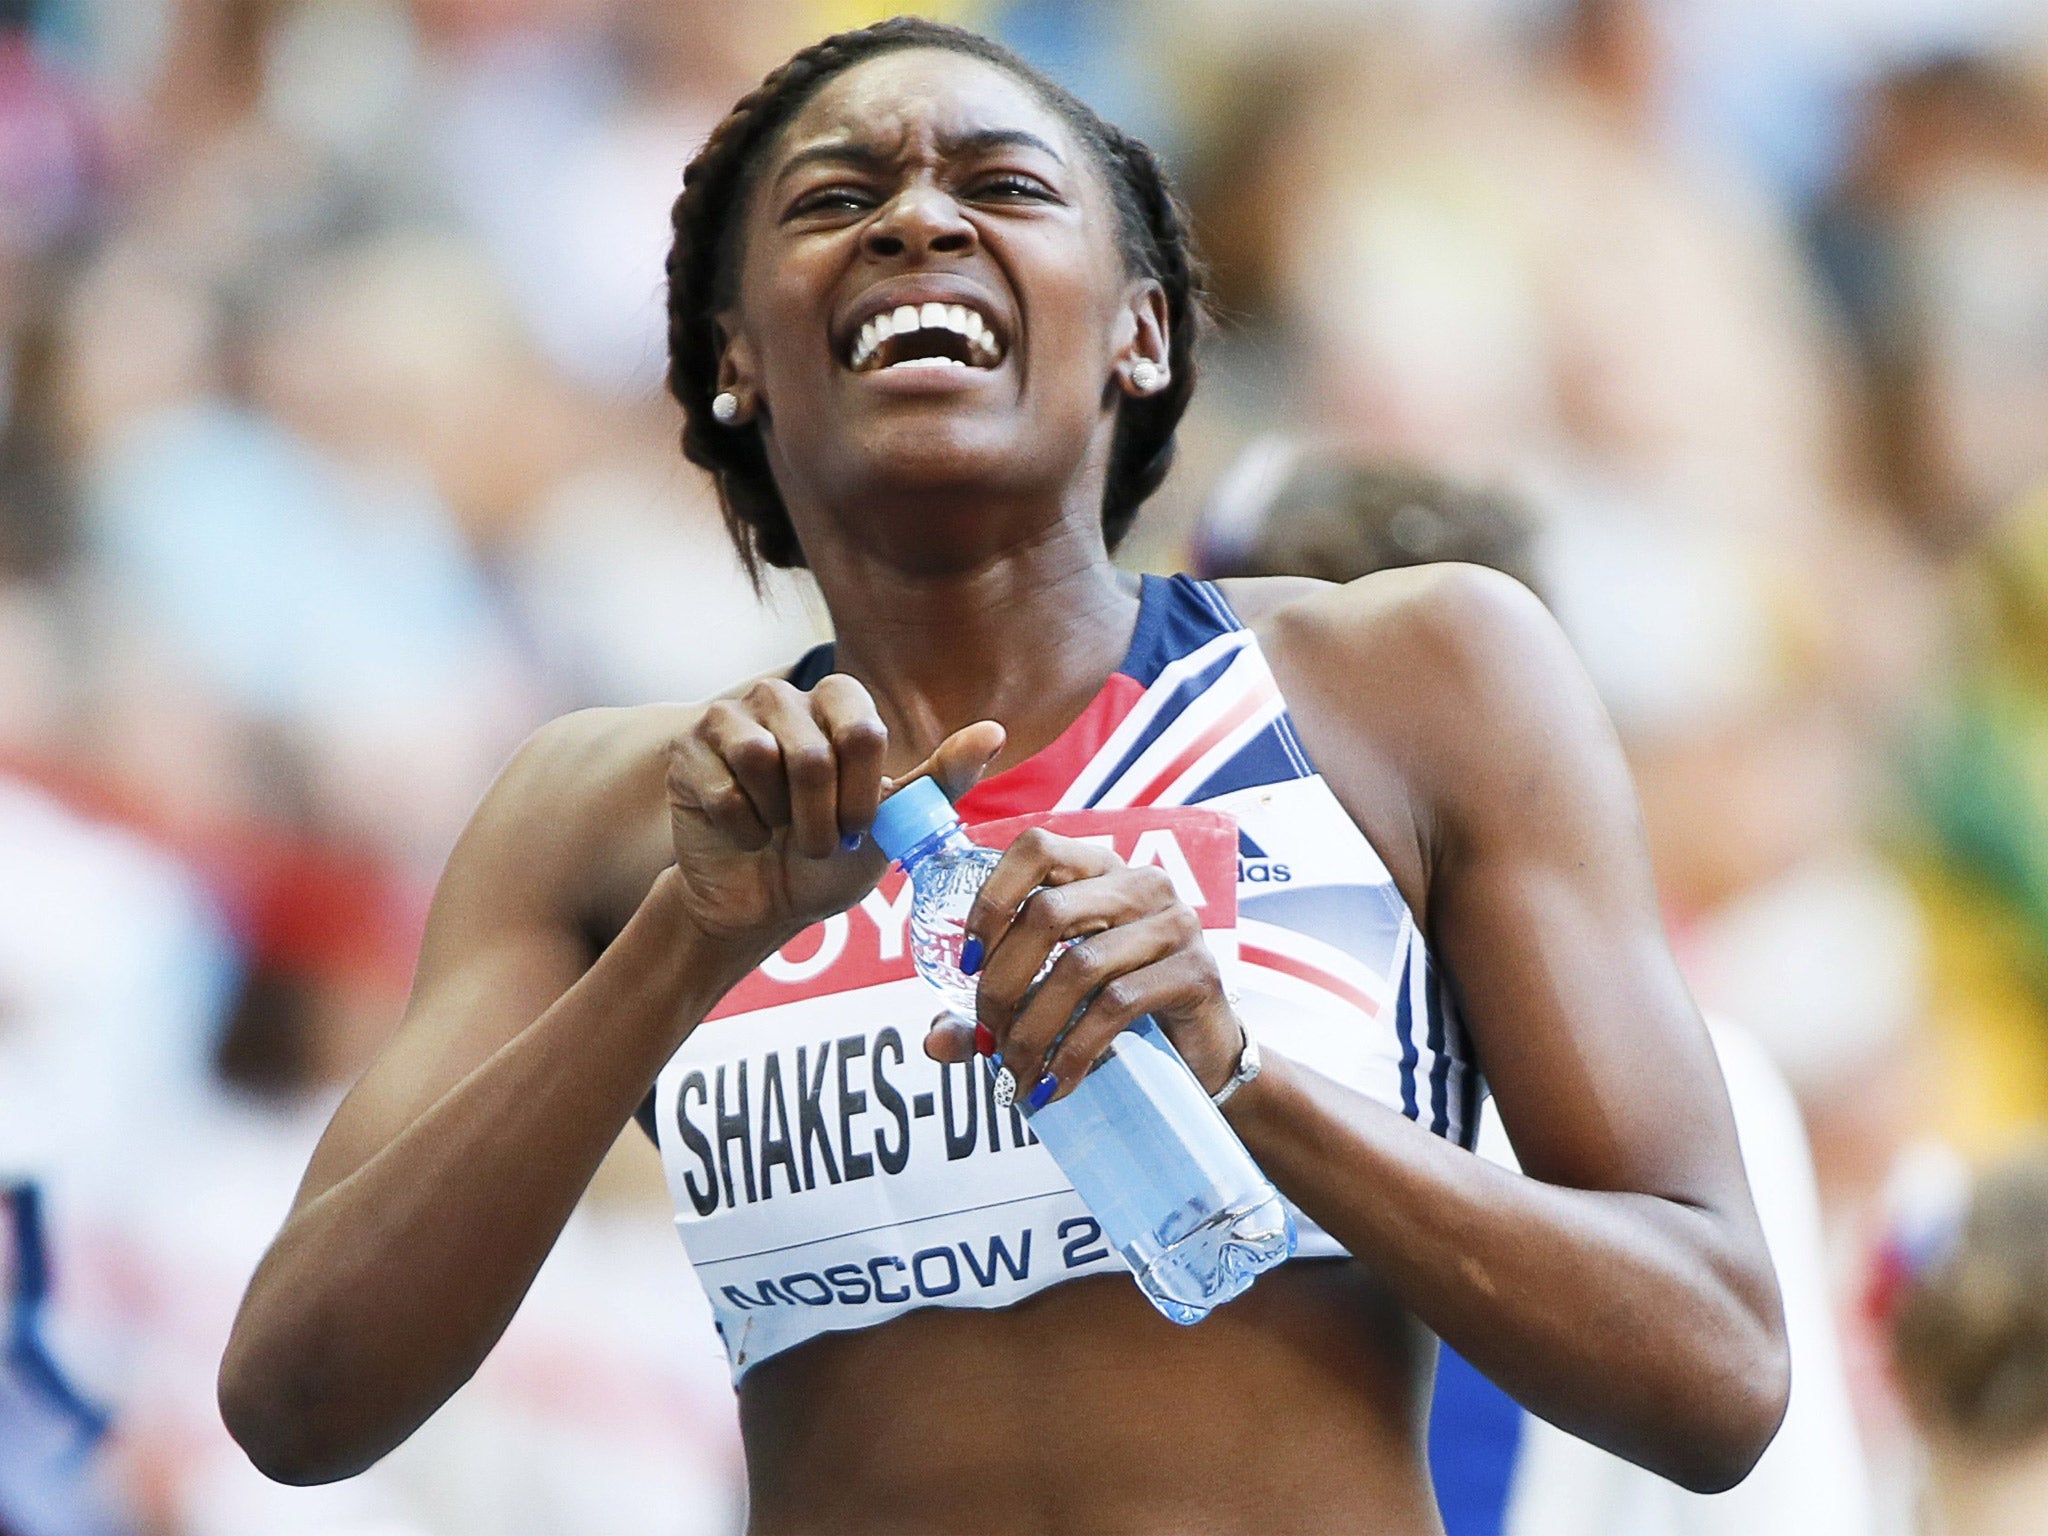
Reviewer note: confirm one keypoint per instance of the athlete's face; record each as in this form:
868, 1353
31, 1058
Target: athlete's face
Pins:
932, 297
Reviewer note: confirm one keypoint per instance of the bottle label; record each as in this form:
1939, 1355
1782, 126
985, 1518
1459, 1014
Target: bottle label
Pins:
827, 1174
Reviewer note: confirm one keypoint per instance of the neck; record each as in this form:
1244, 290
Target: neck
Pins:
1024, 637
1980, 1493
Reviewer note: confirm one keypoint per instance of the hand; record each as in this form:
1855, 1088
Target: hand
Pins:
764, 791
1137, 949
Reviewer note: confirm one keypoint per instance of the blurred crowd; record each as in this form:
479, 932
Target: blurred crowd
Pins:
334, 457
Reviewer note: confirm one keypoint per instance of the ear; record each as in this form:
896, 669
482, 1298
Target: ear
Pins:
736, 372
1144, 342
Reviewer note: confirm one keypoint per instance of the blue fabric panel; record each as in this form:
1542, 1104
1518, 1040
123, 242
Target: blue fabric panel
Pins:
1475, 1435
813, 666
1175, 619
1262, 760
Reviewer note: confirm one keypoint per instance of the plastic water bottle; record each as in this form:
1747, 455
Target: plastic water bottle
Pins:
1155, 1161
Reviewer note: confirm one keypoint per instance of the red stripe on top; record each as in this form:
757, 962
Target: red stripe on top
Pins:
1315, 975
1233, 717
1037, 783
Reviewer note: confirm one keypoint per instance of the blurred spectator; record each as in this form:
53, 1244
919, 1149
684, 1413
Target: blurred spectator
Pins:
1286, 510
1977, 771
1936, 238
51, 1482
626, 580
111, 973
1963, 1288
289, 554
563, 143
606, 1405
53, 162
1495, 263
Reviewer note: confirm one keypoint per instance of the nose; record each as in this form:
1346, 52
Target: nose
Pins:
919, 221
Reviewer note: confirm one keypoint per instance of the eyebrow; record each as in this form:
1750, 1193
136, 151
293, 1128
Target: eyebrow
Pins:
867, 157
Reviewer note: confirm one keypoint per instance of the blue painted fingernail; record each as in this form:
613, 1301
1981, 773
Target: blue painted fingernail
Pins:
970, 957
1043, 1090
995, 1059
849, 841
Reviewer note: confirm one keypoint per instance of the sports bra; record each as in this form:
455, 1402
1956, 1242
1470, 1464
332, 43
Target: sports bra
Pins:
828, 1175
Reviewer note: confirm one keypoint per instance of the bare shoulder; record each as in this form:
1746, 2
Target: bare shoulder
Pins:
595, 754
1469, 626
1433, 660
583, 767
577, 810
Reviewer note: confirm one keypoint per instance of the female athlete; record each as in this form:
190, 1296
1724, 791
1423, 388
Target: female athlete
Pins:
932, 326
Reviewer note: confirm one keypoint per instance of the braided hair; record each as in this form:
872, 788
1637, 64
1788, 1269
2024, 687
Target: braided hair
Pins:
1152, 235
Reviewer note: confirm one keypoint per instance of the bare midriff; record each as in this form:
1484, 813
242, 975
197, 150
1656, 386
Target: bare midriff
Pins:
1297, 1408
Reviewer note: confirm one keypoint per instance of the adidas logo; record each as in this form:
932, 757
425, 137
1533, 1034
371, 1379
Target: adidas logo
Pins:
1255, 866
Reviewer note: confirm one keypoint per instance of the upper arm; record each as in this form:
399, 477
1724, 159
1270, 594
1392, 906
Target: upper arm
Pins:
1532, 878
503, 937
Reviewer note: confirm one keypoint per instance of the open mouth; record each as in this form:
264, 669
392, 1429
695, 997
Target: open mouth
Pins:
926, 336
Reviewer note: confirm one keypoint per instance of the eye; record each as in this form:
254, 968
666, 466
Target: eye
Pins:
1013, 186
840, 199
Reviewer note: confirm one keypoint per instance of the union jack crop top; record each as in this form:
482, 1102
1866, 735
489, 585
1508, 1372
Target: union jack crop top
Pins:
828, 1175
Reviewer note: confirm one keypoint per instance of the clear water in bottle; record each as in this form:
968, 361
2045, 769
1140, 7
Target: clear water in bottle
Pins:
1160, 1168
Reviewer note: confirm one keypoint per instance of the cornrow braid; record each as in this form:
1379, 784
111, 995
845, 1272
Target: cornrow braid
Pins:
1152, 233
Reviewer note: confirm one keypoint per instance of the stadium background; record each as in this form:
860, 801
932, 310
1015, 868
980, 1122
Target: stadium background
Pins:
334, 458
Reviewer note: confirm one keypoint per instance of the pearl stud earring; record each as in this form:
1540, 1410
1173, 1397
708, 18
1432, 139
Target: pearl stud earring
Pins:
726, 407
1146, 376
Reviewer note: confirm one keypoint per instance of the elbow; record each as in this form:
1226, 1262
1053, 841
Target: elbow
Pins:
1741, 1380
1748, 1404
277, 1425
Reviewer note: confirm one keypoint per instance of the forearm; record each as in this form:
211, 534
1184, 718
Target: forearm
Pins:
1636, 1322
384, 1292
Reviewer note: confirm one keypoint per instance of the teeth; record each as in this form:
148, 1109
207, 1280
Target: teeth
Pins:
926, 362
960, 319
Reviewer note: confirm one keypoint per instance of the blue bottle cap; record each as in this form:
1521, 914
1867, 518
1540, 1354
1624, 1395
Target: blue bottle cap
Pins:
910, 815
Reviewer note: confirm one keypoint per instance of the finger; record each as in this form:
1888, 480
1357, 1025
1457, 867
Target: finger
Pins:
810, 774
846, 714
1051, 915
750, 756
1037, 858
950, 1039
960, 760
1080, 974
1183, 983
702, 782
